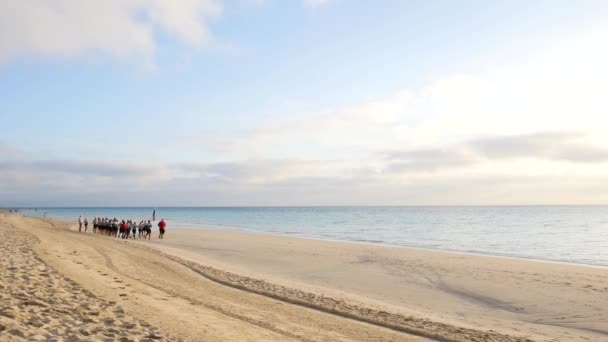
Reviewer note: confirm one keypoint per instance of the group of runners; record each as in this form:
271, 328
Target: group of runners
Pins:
125, 229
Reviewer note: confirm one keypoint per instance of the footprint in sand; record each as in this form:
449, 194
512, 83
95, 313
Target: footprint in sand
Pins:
46, 306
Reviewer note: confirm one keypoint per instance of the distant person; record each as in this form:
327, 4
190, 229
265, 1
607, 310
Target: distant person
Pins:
130, 228
123, 229
161, 228
114, 227
141, 228
86, 224
134, 229
148, 231
80, 223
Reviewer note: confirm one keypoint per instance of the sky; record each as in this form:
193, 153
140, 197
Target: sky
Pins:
303, 102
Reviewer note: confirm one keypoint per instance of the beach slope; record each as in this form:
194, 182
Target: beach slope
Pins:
539, 299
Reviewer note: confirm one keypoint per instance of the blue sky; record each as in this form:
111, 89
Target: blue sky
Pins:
209, 102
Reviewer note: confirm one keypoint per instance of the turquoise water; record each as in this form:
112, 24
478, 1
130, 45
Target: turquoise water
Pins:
576, 234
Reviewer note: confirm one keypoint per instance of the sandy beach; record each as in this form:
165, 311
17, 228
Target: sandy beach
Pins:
205, 285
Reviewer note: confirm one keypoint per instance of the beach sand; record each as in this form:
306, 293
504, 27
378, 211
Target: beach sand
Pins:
37, 303
540, 299
226, 286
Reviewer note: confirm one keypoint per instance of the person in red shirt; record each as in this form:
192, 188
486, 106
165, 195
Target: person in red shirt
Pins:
123, 229
161, 226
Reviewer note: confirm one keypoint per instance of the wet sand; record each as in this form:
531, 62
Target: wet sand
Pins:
226, 286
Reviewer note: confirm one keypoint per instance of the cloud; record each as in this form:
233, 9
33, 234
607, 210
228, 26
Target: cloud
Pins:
315, 3
362, 126
550, 146
564, 146
428, 160
8, 152
513, 146
103, 175
78, 167
404, 178
76, 175
314, 190
119, 28
264, 171
254, 3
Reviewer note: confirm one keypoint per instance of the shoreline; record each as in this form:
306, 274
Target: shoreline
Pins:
389, 245
245, 230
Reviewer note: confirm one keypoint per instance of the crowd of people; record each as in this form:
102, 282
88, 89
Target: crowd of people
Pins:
124, 229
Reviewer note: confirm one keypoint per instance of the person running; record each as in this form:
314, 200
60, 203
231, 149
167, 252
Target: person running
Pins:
148, 230
161, 227
134, 229
80, 223
114, 230
123, 229
86, 224
131, 229
115, 227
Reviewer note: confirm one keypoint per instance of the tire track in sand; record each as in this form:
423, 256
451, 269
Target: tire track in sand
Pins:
403, 324
258, 323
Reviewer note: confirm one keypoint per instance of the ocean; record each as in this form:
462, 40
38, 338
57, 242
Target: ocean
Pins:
576, 234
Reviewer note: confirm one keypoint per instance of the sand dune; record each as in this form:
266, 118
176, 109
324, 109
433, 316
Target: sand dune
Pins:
189, 290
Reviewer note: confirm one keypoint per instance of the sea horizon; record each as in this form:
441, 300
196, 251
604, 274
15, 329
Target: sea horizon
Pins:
310, 206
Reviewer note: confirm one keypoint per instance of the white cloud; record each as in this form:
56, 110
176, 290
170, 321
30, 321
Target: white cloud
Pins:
315, 3
254, 3
118, 28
